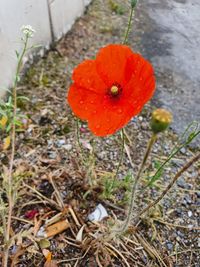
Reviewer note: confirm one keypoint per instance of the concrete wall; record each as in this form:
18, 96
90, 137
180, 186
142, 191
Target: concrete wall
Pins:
50, 18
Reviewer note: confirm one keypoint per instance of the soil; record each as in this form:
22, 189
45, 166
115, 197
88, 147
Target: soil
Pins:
50, 160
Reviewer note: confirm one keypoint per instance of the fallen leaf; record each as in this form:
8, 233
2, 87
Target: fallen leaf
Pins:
47, 253
44, 243
48, 256
6, 143
51, 263
3, 121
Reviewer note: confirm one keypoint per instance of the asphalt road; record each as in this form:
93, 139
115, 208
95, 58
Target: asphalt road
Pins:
171, 40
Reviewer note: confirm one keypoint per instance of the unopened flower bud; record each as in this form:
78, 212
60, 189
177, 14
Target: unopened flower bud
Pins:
161, 119
134, 3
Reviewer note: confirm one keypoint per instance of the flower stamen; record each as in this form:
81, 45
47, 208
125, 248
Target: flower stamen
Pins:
114, 90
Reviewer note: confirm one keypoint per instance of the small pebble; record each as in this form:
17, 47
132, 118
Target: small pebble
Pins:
52, 155
21, 136
198, 194
181, 183
49, 142
144, 126
178, 212
14, 249
140, 118
183, 150
67, 147
190, 226
187, 199
102, 155
180, 234
189, 213
60, 143
169, 245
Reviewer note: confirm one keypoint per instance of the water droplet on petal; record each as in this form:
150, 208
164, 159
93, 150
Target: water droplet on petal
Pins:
119, 111
94, 112
92, 101
81, 102
97, 126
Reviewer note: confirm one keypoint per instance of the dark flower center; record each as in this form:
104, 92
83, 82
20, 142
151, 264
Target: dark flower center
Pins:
115, 90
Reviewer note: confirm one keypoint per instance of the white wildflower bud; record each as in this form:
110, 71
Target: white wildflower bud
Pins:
28, 30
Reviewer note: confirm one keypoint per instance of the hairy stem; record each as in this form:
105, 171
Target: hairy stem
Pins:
134, 187
184, 168
78, 134
13, 137
121, 156
129, 26
82, 154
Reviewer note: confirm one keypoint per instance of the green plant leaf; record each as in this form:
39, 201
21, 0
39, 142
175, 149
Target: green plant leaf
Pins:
188, 139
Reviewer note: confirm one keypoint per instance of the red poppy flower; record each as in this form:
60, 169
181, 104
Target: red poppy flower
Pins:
108, 91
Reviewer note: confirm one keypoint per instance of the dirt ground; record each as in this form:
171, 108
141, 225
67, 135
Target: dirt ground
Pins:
50, 159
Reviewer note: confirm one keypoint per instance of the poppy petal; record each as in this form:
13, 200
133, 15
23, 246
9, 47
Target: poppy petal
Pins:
142, 84
109, 121
85, 75
111, 63
83, 102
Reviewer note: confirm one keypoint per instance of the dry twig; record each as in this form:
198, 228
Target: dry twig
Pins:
184, 168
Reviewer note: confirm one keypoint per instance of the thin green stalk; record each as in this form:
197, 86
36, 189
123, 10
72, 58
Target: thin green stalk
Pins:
10, 189
134, 187
87, 161
78, 134
79, 142
129, 26
122, 131
120, 157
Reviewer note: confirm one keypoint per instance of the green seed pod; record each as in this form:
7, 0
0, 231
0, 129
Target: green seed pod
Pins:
161, 119
134, 3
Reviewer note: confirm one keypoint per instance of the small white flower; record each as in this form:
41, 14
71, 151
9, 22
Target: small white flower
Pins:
28, 30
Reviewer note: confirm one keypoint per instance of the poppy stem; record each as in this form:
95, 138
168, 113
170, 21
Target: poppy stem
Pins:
77, 134
134, 188
129, 26
78, 140
121, 157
